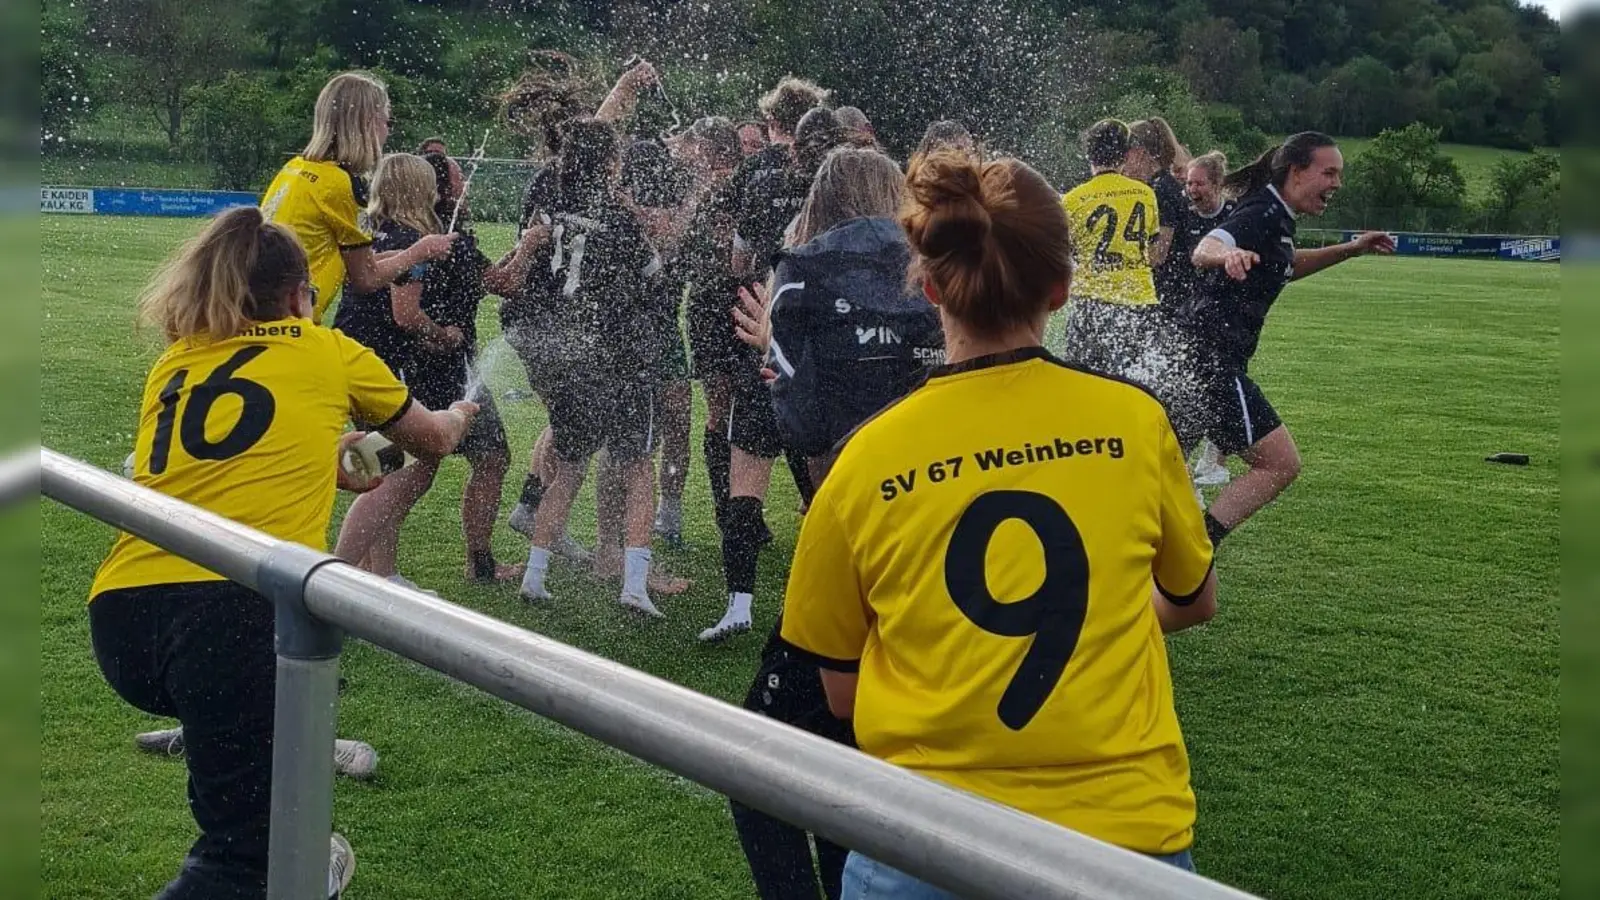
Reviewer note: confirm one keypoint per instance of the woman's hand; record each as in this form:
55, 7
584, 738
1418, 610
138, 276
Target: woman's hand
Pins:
350, 481
750, 318
434, 246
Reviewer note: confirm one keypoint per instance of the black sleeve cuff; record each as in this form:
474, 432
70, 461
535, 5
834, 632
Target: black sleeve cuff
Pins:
399, 414
849, 666
1186, 599
355, 246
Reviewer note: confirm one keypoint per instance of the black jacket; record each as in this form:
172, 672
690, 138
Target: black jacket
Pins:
849, 336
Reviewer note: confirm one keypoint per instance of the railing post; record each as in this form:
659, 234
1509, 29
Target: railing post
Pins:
304, 726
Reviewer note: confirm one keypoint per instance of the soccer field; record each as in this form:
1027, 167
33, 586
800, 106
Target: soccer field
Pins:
1373, 713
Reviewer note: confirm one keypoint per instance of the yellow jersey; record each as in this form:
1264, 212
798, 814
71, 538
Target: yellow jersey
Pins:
324, 204
992, 585
248, 428
1114, 221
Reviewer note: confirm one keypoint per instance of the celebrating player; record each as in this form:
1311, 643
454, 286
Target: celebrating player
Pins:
174, 639
988, 602
1254, 250
320, 194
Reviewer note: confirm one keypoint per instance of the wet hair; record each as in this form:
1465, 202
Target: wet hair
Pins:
820, 133
947, 134
403, 191
719, 140
852, 183
1155, 137
590, 149
1214, 164
791, 99
1273, 166
546, 96
990, 237
239, 270
445, 207
1106, 143
853, 117
422, 148
344, 122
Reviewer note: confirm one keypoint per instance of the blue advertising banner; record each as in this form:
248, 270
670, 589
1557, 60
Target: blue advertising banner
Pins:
140, 201
1494, 246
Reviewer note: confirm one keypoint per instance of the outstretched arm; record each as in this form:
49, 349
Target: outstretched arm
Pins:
1310, 262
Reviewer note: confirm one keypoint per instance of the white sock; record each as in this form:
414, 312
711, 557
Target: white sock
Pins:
635, 571
738, 607
533, 576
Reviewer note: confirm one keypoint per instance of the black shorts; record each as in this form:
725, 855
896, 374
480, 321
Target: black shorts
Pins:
788, 688
1239, 414
437, 380
717, 350
588, 412
752, 423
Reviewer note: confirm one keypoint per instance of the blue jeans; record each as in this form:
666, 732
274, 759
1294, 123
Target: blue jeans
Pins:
867, 879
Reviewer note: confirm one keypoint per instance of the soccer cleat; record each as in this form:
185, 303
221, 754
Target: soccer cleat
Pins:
341, 865
733, 622
354, 759
521, 519
168, 742
640, 604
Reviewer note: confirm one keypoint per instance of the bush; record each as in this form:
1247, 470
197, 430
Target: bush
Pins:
242, 125
1403, 181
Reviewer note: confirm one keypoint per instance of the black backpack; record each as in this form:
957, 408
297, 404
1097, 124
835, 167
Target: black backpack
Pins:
848, 337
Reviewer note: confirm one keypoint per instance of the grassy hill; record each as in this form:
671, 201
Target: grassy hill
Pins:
1475, 162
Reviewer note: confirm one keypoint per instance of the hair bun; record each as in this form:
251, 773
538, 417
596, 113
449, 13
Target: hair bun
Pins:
950, 188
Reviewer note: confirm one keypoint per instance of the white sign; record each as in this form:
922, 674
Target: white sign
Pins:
66, 200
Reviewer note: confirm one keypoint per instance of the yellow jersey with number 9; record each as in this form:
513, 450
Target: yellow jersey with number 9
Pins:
323, 203
992, 586
1114, 221
248, 428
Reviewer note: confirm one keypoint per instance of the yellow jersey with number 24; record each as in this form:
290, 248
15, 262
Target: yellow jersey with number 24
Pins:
992, 585
248, 428
1114, 220
323, 204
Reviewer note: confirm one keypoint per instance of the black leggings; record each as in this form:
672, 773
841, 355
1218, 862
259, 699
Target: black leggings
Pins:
203, 652
789, 689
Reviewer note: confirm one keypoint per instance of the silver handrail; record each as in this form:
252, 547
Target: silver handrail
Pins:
951, 838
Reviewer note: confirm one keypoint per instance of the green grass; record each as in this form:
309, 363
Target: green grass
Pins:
1373, 714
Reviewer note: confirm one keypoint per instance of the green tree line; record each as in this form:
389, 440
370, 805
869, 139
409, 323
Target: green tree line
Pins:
229, 85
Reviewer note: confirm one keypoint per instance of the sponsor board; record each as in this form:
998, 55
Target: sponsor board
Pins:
1530, 248
140, 201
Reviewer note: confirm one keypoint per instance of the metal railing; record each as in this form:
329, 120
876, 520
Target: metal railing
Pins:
956, 840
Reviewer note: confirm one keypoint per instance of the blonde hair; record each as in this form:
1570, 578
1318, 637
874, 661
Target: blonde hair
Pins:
1214, 164
234, 273
851, 183
405, 189
344, 126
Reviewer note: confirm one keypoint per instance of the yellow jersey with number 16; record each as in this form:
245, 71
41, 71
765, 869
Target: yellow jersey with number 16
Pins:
992, 585
1114, 220
248, 428
323, 204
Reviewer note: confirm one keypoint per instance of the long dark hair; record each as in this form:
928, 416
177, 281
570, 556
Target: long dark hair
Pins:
1272, 167
589, 150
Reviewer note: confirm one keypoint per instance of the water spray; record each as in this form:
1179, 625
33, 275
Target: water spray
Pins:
475, 161
661, 94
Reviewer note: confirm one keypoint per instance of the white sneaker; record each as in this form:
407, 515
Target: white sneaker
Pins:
354, 759
1209, 472
341, 865
521, 520
640, 604
167, 742
405, 582
732, 623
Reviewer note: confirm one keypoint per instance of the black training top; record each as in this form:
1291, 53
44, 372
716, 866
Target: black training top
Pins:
1182, 279
767, 194
1230, 314
369, 318
1173, 207
453, 287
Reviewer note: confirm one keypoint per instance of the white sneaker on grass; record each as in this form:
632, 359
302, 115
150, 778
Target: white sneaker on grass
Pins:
352, 759
166, 742
341, 865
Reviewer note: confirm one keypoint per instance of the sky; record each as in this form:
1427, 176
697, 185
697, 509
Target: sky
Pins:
1557, 7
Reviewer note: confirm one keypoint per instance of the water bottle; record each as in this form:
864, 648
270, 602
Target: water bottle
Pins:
375, 456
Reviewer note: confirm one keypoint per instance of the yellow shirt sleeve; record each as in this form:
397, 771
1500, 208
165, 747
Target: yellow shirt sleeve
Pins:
377, 398
342, 214
824, 611
1183, 559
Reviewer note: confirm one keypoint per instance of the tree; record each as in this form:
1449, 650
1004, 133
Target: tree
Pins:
1404, 173
1358, 97
1222, 63
68, 75
169, 48
1521, 191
